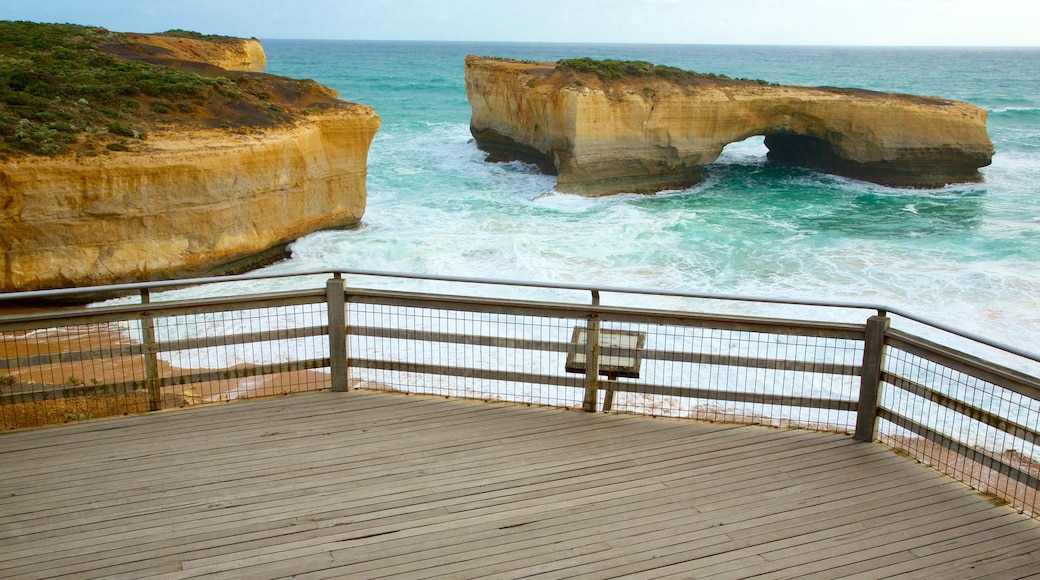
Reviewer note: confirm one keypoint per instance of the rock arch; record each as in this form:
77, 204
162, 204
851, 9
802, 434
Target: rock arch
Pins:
648, 133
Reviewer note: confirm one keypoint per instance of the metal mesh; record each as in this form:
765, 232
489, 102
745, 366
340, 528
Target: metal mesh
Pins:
742, 377
223, 356
42, 384
676, 364
774, 379
87, 371
973, 430
472, 355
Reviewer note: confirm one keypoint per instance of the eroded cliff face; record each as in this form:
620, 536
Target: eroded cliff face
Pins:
200, 169
233, 54
649, 133
183, 203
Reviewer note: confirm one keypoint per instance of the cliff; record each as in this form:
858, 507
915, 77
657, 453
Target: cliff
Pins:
608, 127
123, 162
228, 53
189, 204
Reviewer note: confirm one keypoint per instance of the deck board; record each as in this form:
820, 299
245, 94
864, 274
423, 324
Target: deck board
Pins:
374, 484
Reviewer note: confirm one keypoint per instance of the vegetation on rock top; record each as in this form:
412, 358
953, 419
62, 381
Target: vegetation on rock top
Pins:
216, 38
66, 88
610, 69
613, 70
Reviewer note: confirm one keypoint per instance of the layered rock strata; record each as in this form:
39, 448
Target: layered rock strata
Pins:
193, 203
233, 54
218, 186
648, 132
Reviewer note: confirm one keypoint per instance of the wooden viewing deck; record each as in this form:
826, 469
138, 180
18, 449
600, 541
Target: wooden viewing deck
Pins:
366, 485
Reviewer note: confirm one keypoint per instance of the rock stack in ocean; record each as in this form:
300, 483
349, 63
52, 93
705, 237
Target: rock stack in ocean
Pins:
609, 127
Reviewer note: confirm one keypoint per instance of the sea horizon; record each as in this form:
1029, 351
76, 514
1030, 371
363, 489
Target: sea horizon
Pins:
668, 44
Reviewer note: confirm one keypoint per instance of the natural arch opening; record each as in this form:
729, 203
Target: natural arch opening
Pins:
802, 150
750, 151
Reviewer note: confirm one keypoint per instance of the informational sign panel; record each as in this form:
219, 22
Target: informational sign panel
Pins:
620, 352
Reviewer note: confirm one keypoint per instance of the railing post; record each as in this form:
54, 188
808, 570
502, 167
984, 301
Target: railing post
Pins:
151, 358
870, 380
335, 291
592, 359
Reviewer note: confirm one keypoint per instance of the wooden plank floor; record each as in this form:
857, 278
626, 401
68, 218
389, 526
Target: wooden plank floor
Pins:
369, 485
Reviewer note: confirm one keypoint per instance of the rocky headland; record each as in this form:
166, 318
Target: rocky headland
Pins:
607, 127
183, 162
178, 48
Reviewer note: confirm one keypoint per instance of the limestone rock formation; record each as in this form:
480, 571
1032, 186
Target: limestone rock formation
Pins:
233, 54
215, 182
193, 204
655, 129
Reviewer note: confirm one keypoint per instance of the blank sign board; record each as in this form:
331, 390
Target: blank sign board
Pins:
620, 352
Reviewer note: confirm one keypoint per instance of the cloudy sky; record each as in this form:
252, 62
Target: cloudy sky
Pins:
814, 22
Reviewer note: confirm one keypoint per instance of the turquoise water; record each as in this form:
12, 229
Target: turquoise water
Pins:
968, 255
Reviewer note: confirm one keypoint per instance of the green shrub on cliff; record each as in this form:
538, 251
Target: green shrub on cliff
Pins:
63, 86
178, 33
55, 84
610, 69
615, 69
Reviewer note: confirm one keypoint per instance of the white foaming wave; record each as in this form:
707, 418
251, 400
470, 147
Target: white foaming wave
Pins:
476, 219
751, 151
176, 328
1004, 110
852, 274
931, 288
1018, 176
1000, 300
1015, 161
816, 179
625, 236
568, 203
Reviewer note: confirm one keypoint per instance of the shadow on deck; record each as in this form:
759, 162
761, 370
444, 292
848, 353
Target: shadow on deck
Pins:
366, 484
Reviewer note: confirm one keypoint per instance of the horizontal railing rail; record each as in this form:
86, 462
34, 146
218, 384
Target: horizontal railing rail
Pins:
123, 312
615, 313
137, 312
612, 314
962, 413
977, 367
72, 293
985, 398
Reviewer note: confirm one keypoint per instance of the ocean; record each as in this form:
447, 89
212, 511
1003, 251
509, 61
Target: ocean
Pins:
966, 255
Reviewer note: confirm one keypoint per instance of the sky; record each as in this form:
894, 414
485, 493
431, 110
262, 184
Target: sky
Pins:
770, 22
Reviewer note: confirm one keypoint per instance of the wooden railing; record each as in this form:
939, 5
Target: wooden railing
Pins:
976, 420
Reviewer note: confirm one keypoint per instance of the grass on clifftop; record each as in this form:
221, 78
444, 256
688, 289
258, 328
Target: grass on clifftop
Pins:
61, 91
216, 38
610, 69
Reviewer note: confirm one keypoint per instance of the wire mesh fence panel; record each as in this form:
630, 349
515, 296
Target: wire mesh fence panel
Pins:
69, 373
743, 377
682, 371
976, 431
235, 354
973, 419
139, 363
475, 355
